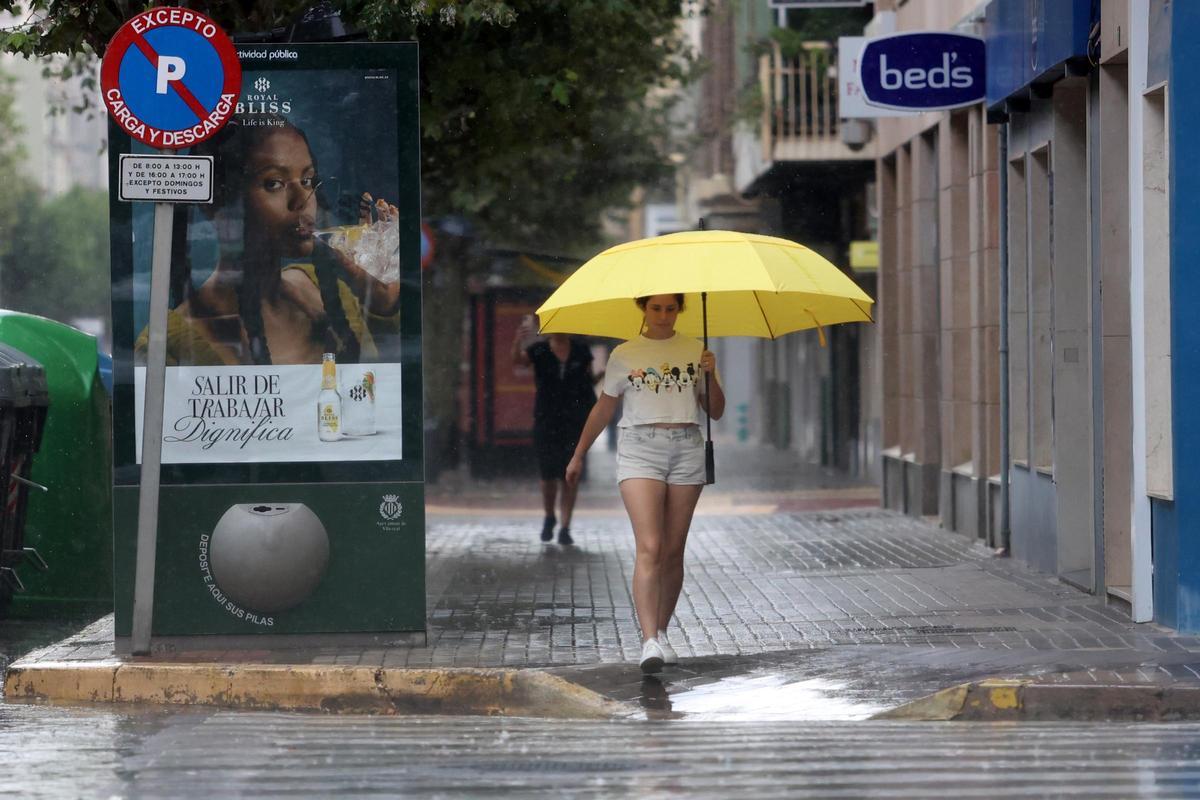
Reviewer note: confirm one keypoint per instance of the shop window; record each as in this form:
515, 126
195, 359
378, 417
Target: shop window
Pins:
957, 367
889, 302
1041, 309
1156, 230
1018, 311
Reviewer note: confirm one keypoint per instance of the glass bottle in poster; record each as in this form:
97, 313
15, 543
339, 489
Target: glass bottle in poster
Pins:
358, 403
329, 402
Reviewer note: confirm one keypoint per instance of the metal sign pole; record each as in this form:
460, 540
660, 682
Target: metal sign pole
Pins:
135, 99
152, 423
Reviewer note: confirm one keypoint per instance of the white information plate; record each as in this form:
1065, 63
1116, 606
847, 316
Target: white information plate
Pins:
244, 414
166, 179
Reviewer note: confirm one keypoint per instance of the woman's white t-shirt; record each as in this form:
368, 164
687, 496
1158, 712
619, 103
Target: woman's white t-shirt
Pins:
658, 379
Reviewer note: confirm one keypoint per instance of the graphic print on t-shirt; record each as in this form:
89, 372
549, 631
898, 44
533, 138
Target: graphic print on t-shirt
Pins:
663, 378
658, 379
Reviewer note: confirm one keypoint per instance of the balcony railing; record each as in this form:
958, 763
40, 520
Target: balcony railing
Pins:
800, 106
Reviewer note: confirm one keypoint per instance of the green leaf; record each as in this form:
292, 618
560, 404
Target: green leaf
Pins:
559, 93
537, 116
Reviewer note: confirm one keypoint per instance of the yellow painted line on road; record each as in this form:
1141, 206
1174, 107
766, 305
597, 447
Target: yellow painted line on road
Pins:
751, 502
1003, 694
91, 684
522, 511
853, 493
991, 699
940, 706
702, 509
716, 506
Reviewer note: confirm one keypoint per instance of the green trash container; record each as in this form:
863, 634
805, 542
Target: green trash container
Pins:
69, 525
23, 400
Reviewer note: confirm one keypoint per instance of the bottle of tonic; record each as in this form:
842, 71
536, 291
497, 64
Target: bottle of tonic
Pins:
329, 402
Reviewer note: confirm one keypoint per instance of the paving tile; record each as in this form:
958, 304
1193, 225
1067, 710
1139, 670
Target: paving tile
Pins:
755, 585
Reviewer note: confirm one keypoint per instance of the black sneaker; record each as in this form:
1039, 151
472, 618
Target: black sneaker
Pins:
548, 529
564, 535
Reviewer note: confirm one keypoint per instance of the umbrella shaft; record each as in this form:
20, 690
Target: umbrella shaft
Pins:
708, 448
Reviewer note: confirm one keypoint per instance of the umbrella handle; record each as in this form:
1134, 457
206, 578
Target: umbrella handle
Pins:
710, 469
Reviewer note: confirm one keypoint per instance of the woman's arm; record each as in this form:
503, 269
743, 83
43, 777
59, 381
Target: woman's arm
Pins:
520, 358
713, 401
379, 298
597, 421
596, 375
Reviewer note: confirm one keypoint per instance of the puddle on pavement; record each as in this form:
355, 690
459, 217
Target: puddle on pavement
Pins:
756, 697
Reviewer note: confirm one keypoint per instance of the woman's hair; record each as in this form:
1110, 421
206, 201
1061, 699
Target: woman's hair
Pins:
641, 301
232, 149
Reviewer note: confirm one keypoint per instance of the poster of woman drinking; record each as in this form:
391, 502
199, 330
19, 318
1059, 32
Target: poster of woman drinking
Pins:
294, 292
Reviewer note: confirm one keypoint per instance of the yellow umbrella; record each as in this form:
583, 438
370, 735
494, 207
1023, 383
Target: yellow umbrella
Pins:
758, 286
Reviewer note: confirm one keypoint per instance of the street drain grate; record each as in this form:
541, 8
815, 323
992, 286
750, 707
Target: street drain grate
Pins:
929, 630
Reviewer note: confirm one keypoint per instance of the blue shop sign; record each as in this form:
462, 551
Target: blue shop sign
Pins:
923, 71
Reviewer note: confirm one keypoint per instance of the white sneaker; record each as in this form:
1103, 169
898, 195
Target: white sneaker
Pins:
652, 657
669, 655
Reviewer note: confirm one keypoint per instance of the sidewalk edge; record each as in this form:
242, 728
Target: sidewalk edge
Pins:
995, 700
331, 689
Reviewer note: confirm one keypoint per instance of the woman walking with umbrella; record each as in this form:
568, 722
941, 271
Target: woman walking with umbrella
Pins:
659, 378
747, 285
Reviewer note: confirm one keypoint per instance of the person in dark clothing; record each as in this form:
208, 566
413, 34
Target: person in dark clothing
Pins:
562, 372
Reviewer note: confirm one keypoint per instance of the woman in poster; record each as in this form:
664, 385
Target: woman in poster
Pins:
279, 294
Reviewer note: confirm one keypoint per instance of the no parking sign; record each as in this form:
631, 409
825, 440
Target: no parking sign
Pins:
170, 77
214, 419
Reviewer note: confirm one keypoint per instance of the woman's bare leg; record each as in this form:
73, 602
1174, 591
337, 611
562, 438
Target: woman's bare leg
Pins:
549, 493
680, 503
645, 501
567, 504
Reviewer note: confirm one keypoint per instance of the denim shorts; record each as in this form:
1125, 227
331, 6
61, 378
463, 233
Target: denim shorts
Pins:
670, 455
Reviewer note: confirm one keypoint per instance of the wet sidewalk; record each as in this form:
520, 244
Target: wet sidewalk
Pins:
840, 611
749, 479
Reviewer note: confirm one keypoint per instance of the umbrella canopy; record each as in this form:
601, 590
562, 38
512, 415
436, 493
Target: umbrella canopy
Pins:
756, 285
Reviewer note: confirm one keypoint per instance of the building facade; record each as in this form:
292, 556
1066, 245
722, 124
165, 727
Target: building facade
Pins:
1170, 232
1037, 361
939, 301
772, 159
61, 146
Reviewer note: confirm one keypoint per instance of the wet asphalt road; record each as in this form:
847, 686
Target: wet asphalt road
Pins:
68, 753
761, 708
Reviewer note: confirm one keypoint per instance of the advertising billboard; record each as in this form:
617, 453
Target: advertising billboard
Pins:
293, 340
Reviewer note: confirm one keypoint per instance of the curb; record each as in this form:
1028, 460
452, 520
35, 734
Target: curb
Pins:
330, 689
999, 700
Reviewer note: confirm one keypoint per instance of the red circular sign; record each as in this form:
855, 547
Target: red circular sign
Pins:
170, 77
